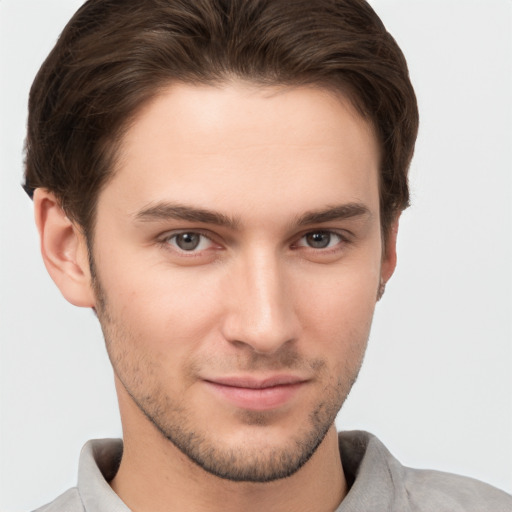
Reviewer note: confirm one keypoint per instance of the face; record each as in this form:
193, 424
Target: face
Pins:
238, 258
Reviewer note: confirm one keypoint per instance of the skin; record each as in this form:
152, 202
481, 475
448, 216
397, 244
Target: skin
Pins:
279, 188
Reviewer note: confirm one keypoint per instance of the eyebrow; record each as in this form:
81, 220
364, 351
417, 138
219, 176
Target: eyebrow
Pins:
166, 211
340, 212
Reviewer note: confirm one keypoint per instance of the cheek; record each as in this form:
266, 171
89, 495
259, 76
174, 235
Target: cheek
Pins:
346, 294
161, 311
337, 312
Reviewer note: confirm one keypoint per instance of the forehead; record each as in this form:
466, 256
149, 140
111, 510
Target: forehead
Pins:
238, 144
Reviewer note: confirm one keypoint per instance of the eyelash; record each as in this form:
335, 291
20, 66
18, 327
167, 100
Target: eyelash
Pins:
343, 240
166, 242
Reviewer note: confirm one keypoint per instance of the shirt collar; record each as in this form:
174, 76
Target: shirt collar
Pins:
375, 476
372, 473
99, 462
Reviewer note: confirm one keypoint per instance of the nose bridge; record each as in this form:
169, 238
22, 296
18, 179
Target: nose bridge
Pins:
262, 311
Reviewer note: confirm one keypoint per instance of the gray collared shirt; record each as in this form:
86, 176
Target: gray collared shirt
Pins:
378, 482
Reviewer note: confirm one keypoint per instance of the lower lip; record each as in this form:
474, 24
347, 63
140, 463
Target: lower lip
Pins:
263, 399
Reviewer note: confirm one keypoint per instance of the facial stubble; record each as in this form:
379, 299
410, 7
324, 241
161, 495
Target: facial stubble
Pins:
243, 462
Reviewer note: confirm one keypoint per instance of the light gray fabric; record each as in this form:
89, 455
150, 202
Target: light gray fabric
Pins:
382, 484
378, 483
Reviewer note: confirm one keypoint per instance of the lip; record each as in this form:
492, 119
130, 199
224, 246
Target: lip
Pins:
254, 394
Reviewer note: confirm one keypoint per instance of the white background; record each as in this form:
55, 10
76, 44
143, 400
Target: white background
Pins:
436, 385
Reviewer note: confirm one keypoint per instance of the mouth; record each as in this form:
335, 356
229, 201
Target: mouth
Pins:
257, 394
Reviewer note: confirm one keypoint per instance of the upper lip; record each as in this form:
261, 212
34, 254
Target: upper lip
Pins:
251, 382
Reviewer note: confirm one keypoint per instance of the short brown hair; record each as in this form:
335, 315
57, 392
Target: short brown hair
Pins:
115, 55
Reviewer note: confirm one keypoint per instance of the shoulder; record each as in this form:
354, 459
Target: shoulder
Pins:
381, 482
68, 502
99, 461
428, 490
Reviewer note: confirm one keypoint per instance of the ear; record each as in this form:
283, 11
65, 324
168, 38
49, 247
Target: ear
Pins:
64, 250
389, 253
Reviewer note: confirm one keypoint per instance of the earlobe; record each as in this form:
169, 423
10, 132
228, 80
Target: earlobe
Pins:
64, 250
388, 257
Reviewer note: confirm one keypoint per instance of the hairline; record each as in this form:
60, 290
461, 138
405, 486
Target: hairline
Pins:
340, 90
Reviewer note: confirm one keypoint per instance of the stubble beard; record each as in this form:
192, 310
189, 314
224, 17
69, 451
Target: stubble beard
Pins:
246, 463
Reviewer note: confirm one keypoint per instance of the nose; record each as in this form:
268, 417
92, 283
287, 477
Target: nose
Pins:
260, 312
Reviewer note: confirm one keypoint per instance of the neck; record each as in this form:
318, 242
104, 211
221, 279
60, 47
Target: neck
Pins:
155, 476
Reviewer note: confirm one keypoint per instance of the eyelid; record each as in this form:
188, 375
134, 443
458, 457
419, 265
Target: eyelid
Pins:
331, 235
343, 234
169, 235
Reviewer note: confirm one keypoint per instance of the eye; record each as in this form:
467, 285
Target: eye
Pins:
320, 240
189, 241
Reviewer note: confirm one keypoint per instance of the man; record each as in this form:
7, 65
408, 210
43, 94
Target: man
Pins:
222, 184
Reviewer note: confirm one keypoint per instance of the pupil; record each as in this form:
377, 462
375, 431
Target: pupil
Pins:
319, 240
187, 241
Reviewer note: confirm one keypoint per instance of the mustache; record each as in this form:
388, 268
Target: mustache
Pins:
252, 362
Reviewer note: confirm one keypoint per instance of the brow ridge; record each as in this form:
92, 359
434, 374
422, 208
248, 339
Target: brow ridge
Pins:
331, 213
166, 211
176, 211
